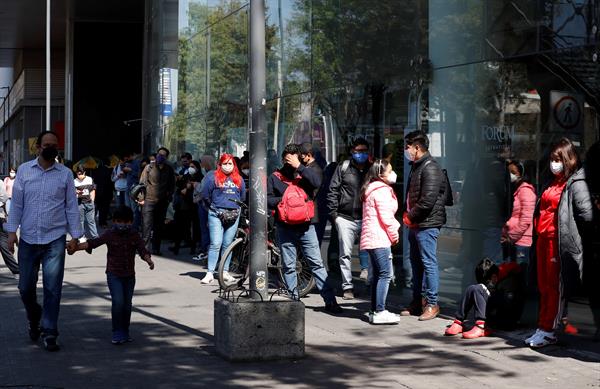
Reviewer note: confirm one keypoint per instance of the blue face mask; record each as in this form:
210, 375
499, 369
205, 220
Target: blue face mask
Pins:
121, 227
361, 157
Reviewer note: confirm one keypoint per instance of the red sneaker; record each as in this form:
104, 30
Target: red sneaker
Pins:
454, 329
477, 331
570, 329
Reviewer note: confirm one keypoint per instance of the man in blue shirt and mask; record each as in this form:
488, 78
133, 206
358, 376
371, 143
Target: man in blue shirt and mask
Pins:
44, 208
345, 209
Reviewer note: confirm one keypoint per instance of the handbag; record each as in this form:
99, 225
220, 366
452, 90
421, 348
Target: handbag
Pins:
228, 216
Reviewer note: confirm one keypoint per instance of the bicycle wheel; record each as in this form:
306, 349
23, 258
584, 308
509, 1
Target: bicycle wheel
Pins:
238, 267
305, 279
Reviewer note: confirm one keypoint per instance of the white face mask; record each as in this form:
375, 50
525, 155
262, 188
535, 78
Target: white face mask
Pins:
513, 177
246, 171
408, 155
392, 177
12, 174
556, 167
227, 169
191, 171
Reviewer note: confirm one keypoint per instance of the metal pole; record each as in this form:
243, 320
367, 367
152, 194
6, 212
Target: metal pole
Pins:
258, 153
48, 81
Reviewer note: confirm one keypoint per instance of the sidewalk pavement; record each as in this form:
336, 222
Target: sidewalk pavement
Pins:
172, 325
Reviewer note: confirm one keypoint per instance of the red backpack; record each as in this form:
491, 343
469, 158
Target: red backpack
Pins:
295, 207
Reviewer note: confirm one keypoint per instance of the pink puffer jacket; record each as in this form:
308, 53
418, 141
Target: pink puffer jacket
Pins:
519, 227
379, 226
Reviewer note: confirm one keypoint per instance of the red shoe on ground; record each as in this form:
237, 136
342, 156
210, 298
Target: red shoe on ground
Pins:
454, 329
477, 331
570, 329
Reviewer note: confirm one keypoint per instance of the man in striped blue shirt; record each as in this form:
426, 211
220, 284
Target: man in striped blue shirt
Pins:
44, 206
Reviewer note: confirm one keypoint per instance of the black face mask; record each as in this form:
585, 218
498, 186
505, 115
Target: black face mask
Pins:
49, 153
288, 171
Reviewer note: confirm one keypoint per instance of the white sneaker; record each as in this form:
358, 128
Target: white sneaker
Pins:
385, 317
228, 277
533, 336
364, 274
208, 278
543, 339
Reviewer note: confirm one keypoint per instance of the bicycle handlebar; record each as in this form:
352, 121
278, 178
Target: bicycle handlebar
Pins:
239, 203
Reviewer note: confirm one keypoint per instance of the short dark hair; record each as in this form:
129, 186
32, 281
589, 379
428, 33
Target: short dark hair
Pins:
80, 169
186, 156
165, 149
123, 213
485, 270
292, 148
418, 138
360, 141
307, 148
41, 135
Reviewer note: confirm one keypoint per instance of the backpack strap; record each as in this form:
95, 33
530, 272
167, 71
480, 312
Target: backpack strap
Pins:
345, 166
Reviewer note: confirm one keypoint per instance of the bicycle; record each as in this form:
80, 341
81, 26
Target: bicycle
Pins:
239, 267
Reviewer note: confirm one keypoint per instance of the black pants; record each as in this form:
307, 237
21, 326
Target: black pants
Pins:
8, 257
103, 207
153, 223
475, 296
186, 229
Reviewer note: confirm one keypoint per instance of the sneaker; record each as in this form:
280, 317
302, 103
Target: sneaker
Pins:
200, 257
430, 312
364, 274
569, 328
454, 329
333, 307
385, 317
34, 331
208, 278
228, 277
533, 336
477, 331
543, 339
348, 294
50, 343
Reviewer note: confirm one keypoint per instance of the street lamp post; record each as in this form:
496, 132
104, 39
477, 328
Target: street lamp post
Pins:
258, 153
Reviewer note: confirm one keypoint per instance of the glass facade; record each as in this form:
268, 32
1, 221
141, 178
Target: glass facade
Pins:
488, 80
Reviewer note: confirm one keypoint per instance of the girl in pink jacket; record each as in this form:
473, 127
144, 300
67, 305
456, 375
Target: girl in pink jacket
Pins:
517, 232
379, 233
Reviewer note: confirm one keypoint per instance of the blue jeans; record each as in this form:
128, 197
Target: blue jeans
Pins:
381, 263
306, 238
52, 258
121, 294
220, 238
423, 259
87, 215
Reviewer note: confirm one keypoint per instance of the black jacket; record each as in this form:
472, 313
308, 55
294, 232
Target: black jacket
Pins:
426, 191
343, 198
312, 176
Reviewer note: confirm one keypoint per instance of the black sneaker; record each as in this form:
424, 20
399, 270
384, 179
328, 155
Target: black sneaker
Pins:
333, 307
34, 331
50, 343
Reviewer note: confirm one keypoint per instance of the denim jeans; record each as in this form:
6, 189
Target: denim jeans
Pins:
520, 254
423, 259
220, 238
52, 258
381, 263
306, 238
87, 215
121, 294
348, 232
